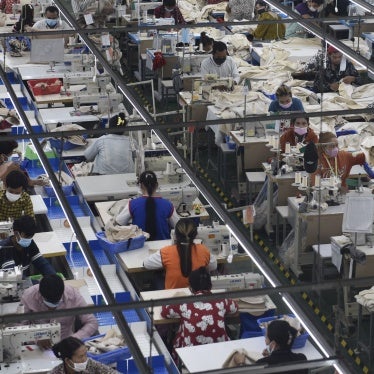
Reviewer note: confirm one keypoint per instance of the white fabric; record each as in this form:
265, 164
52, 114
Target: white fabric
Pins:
226, 70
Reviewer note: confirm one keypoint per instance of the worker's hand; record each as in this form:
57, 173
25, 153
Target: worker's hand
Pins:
44, 344
29, 28
265, 352
348, 79
334, 86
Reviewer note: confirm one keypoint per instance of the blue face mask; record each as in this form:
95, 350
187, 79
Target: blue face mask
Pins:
51, 22
51, 305
24, 242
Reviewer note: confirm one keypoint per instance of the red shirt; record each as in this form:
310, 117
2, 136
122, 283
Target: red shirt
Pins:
290, 137
160, 12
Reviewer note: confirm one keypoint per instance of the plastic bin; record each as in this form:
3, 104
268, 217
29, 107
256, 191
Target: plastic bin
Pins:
299, 341
67, 190
49, 88
126, 245
56, 144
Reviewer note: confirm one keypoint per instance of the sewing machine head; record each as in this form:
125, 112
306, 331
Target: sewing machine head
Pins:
6, 227
13, 338
11, 284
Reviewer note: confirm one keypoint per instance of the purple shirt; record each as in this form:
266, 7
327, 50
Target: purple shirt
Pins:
33, 302
302, 8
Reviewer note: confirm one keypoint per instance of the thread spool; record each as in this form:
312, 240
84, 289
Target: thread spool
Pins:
276, 143
304, 181
149, 143
317, 181
332, 181
288, 147
168, 168
297, 177
225, 249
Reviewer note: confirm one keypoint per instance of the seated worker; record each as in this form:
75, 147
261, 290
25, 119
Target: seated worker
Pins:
285, 102
14, 200
206, 42
112, 153
338, 69
73, 354
52, 294
308, 9
181, 258
201, 322
299, 132
220, 63
20, 249
92, 13
26, 19
51, 21
7, 148
280, 337
334, 162
169, 9
151, 213
267, 31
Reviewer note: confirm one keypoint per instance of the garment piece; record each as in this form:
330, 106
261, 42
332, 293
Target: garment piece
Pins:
71, 298
283, 356
200, 322
269, 31
226, 70
42, 25
297, 106
111, 154
160, 12
23, 206
345, 162
241, 9
6, 5
10, 257
290, 137
136, 210
93, 367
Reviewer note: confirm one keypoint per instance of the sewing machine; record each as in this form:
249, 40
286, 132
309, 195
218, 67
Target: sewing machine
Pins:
179, 194
15, 336
214, 237
237, 281
11, 284
203, 88
6, 227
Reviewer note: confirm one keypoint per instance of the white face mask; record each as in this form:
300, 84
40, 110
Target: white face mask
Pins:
312, 9
285, 106
12, 197
79, 366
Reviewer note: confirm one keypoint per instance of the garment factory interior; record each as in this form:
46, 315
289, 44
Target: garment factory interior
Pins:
286, 240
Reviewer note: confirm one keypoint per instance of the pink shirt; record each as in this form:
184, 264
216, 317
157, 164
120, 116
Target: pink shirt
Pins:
33, 302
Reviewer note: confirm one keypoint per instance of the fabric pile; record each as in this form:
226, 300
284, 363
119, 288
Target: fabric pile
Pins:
110, 342
366, 299
117, 233
241, 357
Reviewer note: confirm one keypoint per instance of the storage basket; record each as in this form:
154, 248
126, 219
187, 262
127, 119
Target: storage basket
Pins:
122, 246
49, 88
56, 144
111, 357
299, 341
67, 190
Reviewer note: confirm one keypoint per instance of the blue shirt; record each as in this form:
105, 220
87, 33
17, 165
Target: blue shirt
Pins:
297, 106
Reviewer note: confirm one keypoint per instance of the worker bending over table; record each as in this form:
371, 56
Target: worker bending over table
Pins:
285, 102
169, 9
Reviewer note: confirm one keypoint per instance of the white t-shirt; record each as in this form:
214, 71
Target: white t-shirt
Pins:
42, 25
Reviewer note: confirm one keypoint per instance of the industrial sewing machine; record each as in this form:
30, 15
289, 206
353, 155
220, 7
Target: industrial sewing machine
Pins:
13, 338
203, 88
11, 284
214, 237
6, 227
240, 281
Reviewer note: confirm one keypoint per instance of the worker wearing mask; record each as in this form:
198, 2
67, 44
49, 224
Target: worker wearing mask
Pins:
51, 21
285, 102
169, 9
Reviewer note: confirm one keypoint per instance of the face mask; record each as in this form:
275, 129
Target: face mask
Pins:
219, 60
12, 197
300, 130
286, 106
79, 366
51, 22
312, 9
51, 305
24, 242
332, 152
169, 9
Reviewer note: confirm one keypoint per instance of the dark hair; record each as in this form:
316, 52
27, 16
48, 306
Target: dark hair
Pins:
169, 3
25, 224
219, 47
7, 146
205, 39
16, 179
283, 90
282, 333
261, 3
149, 181
52, 287
302, 115
67, 347
326, 137
319, 2
119, 120
26, 18
185, 233
200, 280
51, 9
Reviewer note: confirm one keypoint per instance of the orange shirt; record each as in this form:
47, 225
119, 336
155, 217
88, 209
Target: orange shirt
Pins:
170, 259
290, 137
345, 161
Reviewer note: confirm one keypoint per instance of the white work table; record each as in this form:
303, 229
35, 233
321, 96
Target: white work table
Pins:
41, 71
200, 358
108, 187
78, 151
38, 204
49, 244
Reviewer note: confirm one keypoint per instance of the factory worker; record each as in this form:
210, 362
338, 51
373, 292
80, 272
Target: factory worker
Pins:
309, 9
298, 133
181, 258
220, 63
14, 200
52, 294
150, 212
335, 162
338, 69
51, 21
73, 354
112, 153
26, 19
200, 322
169, 9
6, 6
279, 339
20, 249
284, 101
92, 13
206, 42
